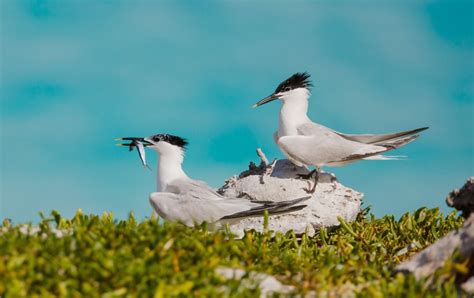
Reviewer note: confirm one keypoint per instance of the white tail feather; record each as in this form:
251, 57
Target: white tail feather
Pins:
386, 157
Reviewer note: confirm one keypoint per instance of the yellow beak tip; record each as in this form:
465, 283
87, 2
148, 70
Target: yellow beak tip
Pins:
254, 106
118, 139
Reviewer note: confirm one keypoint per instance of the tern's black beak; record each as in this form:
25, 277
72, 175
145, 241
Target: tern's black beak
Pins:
266, 100
133, 141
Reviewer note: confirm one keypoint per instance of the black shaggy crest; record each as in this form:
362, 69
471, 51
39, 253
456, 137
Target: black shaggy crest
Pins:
173, 140
298, 80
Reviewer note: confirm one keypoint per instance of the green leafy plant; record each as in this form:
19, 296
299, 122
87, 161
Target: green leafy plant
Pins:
91, 255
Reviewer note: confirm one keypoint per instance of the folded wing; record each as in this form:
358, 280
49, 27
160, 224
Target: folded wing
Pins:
318, 145
194, 188
380, 138
189, 210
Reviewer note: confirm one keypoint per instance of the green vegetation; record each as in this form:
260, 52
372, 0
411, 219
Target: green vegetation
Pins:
104, 257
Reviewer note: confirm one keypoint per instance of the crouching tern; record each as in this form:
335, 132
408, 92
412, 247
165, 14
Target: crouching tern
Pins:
182, 199
306, 143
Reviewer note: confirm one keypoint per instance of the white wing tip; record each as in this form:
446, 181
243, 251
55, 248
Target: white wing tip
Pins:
386, 157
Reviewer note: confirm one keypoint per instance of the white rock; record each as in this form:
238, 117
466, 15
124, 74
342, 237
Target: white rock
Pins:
468, 286
330, 201
426, 262
268, 284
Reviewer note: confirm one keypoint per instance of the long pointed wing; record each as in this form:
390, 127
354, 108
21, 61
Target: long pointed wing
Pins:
189, 210
273, 208
316, 152
376, 138
318, 145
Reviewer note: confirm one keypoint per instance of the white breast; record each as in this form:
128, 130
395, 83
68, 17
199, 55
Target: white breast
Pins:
293, 113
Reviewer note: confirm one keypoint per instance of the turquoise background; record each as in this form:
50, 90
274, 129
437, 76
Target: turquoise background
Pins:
76, 74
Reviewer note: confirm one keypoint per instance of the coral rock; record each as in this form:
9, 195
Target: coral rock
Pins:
463, 199
330, 201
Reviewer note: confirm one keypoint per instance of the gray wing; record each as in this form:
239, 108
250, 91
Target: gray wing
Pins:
318, 145
380, 138
195, 188
189, 210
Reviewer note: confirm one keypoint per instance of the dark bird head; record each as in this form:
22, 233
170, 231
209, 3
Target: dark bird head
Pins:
295, 86
162, 143
167, 138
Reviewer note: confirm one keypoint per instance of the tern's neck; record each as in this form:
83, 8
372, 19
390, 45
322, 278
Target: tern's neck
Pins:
293, 113
169, 168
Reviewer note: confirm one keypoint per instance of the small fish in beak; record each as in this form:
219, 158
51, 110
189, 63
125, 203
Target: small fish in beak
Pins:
141, 152
138, 143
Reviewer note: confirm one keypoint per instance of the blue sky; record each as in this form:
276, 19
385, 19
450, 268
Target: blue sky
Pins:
76, 74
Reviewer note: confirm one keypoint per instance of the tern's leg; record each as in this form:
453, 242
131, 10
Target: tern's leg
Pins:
306, 176
316, 179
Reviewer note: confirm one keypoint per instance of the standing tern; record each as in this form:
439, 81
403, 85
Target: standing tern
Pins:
182, 199
307, 143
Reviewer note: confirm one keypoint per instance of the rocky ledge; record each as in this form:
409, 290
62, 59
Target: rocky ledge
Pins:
426, 262
279, 181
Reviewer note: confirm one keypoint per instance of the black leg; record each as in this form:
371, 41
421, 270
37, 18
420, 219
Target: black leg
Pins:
316, 179
307, 176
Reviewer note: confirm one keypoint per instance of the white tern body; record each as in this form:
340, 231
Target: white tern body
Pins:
307, 143
181, 199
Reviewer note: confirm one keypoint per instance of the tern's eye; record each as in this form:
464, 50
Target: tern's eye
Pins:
287, 89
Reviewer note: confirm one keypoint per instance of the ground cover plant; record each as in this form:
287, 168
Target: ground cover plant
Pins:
93, 256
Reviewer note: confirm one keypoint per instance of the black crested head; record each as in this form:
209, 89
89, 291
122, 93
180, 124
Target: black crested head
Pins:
173, 140
298, 80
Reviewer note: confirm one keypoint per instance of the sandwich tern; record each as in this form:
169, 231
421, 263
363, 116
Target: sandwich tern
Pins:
306, 143
182, 199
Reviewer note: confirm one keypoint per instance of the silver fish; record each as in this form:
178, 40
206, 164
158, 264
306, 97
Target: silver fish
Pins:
136, 142
141, 152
